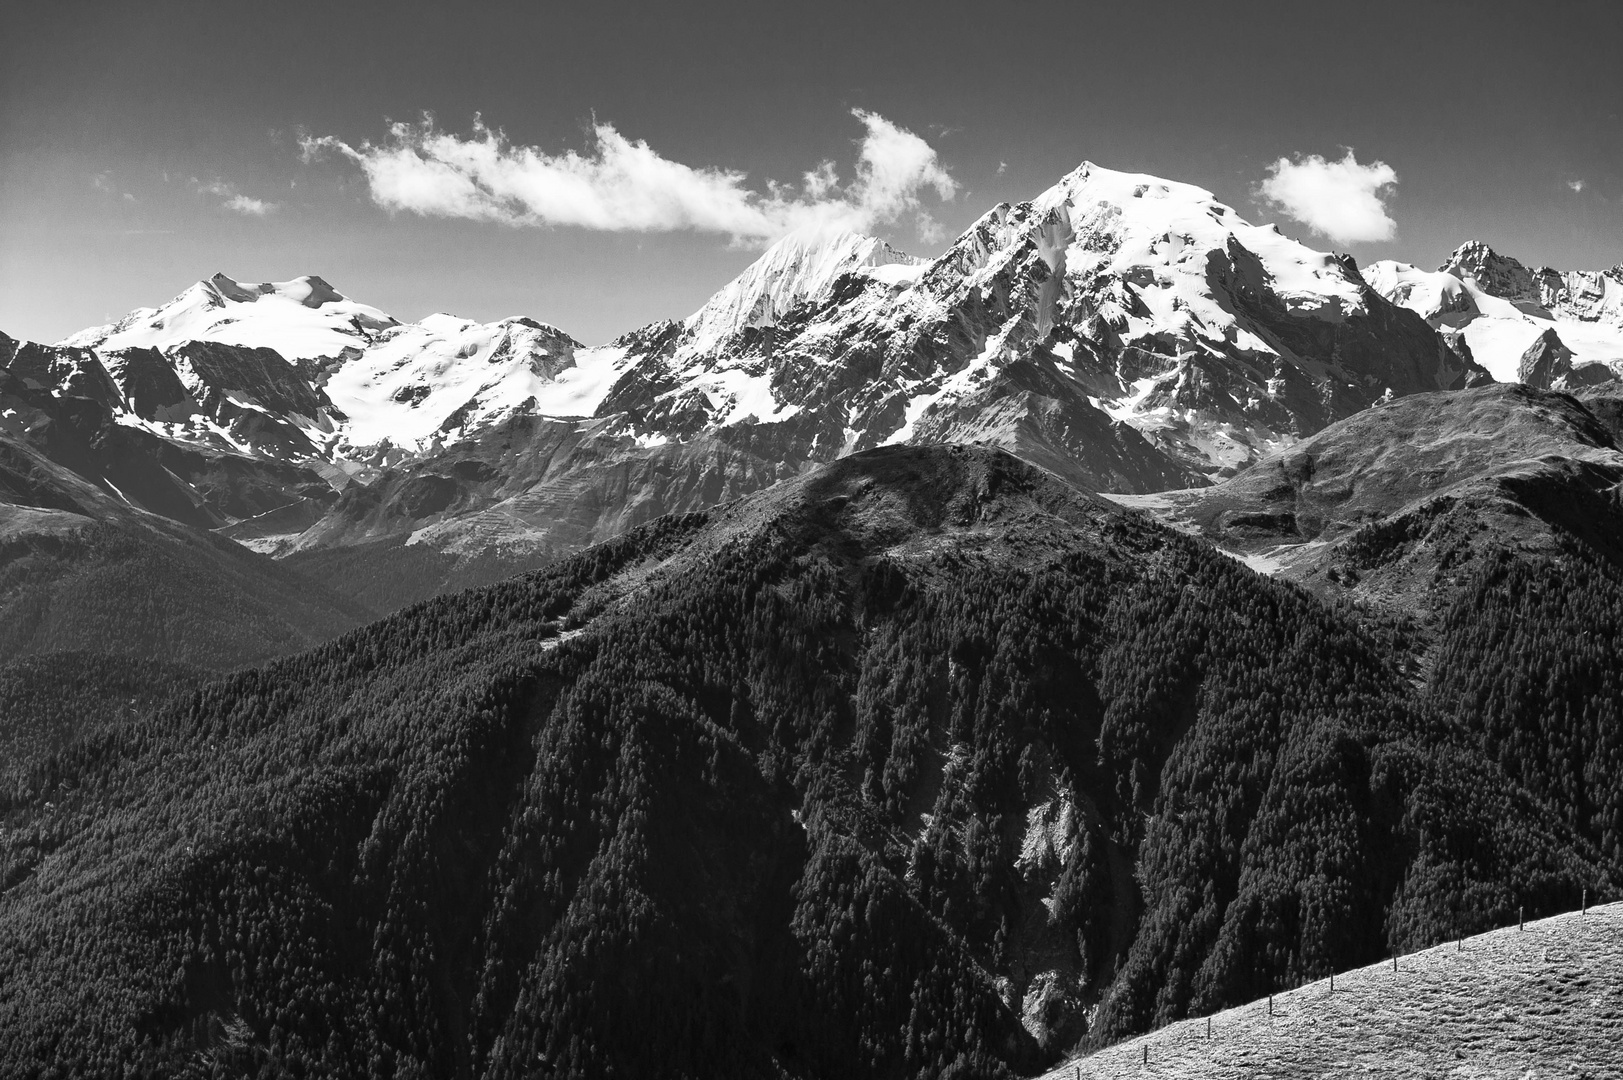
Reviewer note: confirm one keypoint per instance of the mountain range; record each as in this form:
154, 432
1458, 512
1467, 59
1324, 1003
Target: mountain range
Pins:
1128, 333
902, 667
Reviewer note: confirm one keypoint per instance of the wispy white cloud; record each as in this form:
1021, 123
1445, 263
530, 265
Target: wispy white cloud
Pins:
1575, 185
247, 204
234, 200
624, 185
1342, 200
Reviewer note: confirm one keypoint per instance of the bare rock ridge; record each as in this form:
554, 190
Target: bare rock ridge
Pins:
1580, 295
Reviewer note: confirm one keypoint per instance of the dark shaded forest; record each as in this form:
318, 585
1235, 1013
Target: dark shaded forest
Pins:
159, 592
922, 765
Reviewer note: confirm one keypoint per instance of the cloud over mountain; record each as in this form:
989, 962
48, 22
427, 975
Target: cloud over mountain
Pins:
1341, 200
624, 185
234, 200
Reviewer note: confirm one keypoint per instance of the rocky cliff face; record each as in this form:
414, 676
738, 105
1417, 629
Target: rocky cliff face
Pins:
1579, 295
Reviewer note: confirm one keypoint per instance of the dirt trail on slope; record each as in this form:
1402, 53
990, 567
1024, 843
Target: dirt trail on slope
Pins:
1541, 1004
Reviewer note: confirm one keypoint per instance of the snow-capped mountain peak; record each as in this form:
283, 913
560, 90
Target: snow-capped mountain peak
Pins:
1129, 332
1129, 223
1142, 300
801, 267
368, 388
301, 319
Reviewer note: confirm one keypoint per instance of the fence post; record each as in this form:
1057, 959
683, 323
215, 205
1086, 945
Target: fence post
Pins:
1208, 1028
1521, 918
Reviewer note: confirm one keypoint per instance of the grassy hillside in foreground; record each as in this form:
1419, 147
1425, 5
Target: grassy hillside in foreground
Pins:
1543, 1002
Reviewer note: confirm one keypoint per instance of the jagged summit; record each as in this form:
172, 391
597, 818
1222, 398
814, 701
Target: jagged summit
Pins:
801, 267
1503, 313
1581, 295
1495, 274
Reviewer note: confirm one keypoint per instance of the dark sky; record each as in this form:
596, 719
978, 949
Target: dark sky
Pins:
125, 128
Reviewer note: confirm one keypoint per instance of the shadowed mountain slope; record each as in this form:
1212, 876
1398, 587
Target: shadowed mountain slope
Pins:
83, 570
1389, 504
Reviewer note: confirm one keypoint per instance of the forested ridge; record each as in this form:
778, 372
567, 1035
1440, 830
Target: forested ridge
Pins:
924, 764
160, 592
